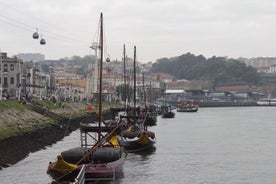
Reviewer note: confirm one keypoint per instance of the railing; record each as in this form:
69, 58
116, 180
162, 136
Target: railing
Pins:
104, 178
80, 179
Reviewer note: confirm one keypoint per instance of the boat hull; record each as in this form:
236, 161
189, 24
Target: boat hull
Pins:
93, 172
267, 102
151, 121
168, 114
187, 109
137, 144
109, 171
187, 106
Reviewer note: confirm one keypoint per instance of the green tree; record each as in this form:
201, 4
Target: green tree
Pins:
121, 91
219, 70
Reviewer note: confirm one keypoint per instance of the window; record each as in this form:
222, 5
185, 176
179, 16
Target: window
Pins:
12, 80
5, 67
12, 67
5, 82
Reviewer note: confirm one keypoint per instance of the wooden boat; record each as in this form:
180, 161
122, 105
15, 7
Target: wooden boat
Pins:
135, 137
101, 158
135, 140
187, 106
166, 112
151, 119
100, 163
104, 161
150, 109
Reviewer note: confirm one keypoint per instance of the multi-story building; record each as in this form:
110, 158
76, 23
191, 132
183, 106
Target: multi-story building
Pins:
10, 76
259, 62
31, 57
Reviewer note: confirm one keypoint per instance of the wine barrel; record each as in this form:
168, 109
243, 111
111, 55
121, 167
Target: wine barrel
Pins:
74, 155
150, 134
129, 134
106, 154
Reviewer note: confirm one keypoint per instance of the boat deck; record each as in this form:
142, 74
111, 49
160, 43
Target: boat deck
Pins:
95, 129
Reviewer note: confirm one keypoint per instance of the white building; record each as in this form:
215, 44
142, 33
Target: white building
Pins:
272, 69
35, 57
11, 70
259, 62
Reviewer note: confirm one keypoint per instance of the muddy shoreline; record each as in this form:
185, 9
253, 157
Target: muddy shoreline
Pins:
16, 148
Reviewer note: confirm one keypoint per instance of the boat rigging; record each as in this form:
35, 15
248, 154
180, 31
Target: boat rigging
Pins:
102, 160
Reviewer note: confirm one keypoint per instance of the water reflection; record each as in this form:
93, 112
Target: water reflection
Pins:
146, 153
215, 145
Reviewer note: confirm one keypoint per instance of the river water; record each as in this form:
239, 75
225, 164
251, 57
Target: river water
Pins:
212, 146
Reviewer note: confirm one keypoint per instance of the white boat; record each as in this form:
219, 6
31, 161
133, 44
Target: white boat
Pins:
267, 102
187, 106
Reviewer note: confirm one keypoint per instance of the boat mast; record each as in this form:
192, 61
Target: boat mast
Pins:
134, 79
125, 90
150, 94
100, 77
144, 92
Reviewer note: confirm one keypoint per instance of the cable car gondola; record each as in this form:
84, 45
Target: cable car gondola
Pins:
108, 60
42, 41
35, 34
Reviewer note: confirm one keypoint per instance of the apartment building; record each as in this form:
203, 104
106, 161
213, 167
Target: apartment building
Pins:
25, 57
10, 76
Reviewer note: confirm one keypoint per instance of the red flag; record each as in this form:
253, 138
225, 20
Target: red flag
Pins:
89, 108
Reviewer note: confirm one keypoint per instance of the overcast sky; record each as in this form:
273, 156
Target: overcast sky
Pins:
158, 28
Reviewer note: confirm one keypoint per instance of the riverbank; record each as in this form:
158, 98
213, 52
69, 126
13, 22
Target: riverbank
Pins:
226, 104
30, 127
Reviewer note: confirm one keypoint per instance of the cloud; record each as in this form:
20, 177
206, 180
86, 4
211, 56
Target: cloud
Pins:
159, 28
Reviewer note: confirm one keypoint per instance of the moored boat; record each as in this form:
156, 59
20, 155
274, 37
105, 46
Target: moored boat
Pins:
136, 137
104, 163
267, 102
104, 158
187, 106
136, 140
166, 112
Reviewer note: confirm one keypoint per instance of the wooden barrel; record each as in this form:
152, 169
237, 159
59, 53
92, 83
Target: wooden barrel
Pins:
76, 154
106, 154
129, 134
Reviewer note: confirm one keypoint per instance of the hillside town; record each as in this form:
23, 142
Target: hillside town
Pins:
21, 79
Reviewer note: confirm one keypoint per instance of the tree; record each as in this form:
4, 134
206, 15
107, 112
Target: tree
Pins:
219, 70
120, 92
81, 71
